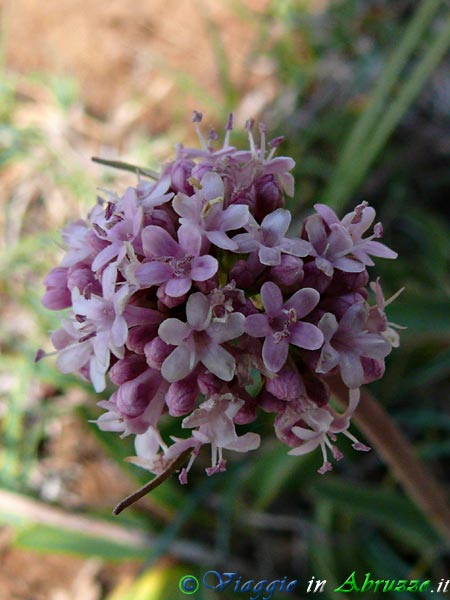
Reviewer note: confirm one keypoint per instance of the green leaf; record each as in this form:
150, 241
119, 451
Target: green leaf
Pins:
275, 470
43, 538
388, 509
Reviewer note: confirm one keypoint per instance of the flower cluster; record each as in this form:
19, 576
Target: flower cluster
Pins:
190, 294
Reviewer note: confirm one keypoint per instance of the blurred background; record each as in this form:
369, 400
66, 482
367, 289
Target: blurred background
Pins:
361, 89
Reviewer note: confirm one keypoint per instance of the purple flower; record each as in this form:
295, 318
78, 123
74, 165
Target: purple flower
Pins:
269, 239
214, 419
199, 340
356, 224
347, 342
175, 264
97, 329
280, 324
324, 424
331, 250
204, 211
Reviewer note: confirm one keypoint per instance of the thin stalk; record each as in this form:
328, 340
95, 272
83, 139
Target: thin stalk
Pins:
123, 166
396, 451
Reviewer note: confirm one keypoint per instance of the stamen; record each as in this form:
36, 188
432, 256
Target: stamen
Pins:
196, 119
228, 128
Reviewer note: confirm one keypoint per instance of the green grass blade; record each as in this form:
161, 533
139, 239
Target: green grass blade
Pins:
358, 136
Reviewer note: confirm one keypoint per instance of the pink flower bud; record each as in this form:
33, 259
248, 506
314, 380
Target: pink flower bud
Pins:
156, 351
57, 296
287, 385
288, 275
315, 278
269, 196
127, 368
208, 383
181, 397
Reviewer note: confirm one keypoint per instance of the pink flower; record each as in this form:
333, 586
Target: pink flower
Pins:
269, 239
280, 325
199, 340
324, 424
174, 264
204, 211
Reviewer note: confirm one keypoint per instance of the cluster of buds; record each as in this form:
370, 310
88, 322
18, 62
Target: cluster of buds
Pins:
189, 293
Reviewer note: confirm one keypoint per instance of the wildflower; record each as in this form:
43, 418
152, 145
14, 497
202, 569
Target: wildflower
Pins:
199, 340
280, 325
160, 299
269, 239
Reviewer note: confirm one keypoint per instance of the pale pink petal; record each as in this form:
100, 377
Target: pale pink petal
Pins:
246, 242
277, 223
303, 301
198, 311
305, 335
73, 357
234, 217
179, 364
212, 186
218, 361
174, 331
348, 265
157, 242
327, 214
104, 256
305, 448
203, 267
230, 330
295, 247
221, 240
316, 233
119, 331
153, 273
351, 369
269, 256
178, 286
245, 443
190, 239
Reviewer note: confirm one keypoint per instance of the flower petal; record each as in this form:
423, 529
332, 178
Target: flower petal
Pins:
303, 301
178, 286
269, 256
257, 325
190, 239
203, 267
276, 224
305, 335
218, 361
271, 298
153, 273
179, 364
198, 311
230, 330
275, 354
174, 331
156, 241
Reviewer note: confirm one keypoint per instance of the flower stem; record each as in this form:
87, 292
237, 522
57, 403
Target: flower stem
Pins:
396, 451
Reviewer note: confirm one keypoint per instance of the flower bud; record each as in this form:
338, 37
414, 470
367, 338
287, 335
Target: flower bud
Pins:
134, 396
156, 351
269, 196
57, 296
288, 275
287, 385
127, 368
314, 277
208, 383
181, 397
